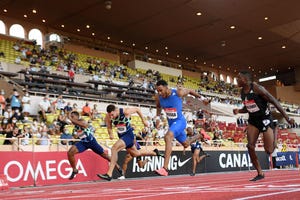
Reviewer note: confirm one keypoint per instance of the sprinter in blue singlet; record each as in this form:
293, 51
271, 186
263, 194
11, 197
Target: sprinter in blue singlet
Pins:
120, 118
85, 133
170, 100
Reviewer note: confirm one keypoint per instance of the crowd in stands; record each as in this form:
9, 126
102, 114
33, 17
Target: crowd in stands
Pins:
18, 122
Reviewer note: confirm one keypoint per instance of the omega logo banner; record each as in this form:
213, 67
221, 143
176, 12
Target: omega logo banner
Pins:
182, 164
47, 168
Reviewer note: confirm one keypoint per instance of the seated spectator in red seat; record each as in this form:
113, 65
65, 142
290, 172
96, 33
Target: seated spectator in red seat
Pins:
206, 137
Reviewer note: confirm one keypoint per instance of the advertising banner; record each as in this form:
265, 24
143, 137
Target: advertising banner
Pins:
47, 168
286, 158
219, 161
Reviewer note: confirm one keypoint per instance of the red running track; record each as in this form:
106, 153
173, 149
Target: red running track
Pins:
278, 184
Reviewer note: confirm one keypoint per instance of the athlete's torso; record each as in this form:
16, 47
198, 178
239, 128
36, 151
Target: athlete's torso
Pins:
122, 123
85, 134
256, 105
172, 105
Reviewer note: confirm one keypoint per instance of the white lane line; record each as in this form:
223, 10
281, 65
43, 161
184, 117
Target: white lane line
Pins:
269, 194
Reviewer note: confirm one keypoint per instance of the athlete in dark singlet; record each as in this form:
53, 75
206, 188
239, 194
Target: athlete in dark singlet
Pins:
256, 101
196, 149
87, 141
120, 118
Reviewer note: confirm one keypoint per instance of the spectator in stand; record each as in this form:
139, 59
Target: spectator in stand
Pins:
2, 102
151, 113
75, 107
18, 60
205, 137
26, 104
217, 139
42, 135
274, 156
44, 139
54, 128
256, 101
141, 137
27, 75
44, 107
2, 54
34, 127
8, 113
66, 135
12, 136
4, 122
86, 110
96, 79
17, 115
68, 108
95, 113
151, 85
90, 69
25, 135
66, 91
298, 111
15, 102
71, 74
59, 103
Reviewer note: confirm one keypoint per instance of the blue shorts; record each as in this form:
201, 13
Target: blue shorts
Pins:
195, 146
178, 129
93, 145
138, 146
128, 138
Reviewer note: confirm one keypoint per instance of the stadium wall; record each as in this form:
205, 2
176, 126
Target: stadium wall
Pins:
137, 64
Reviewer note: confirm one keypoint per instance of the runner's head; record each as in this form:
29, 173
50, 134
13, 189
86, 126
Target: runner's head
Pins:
112, 111
75, 115
244, 78
162, 88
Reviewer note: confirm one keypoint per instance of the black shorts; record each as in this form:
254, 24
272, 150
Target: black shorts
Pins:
262, 123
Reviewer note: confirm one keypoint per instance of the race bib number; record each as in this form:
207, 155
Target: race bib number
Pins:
171, 113
121, 128
251, 106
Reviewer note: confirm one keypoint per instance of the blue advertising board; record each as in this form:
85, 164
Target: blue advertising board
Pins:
286, 158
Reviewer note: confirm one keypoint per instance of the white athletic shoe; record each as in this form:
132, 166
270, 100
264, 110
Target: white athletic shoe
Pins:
121, 178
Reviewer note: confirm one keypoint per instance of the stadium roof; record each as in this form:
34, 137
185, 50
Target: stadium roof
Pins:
260, 35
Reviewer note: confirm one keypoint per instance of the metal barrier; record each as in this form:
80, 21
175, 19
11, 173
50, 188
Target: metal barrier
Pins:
55, 144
